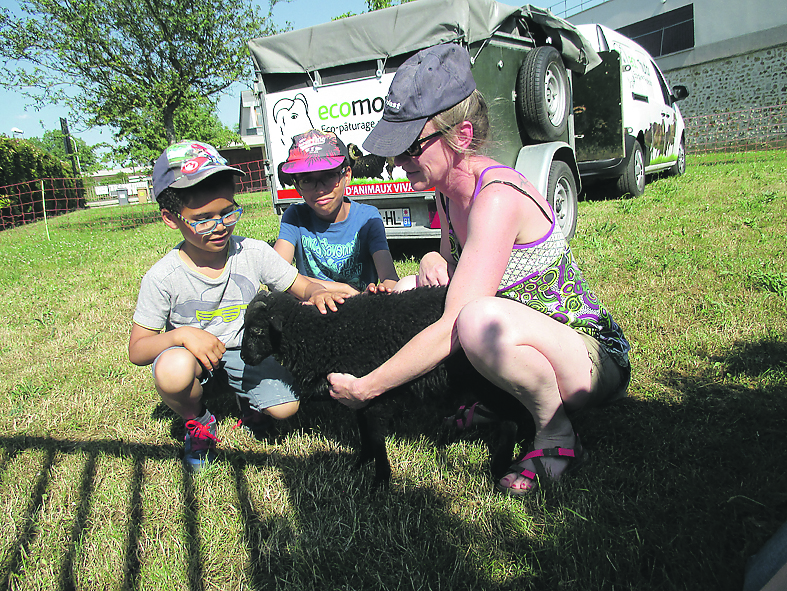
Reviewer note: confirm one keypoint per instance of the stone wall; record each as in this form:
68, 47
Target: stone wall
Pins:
750, 81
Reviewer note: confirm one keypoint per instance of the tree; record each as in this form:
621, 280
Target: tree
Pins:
52, 143
195, 120
379, 4
129, 64
374, 5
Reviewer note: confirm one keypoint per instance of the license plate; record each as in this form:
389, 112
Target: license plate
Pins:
396, 218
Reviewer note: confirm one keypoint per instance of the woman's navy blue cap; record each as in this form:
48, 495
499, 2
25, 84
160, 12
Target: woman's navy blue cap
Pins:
429, 82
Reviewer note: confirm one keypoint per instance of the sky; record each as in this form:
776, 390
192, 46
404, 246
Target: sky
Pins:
301, 13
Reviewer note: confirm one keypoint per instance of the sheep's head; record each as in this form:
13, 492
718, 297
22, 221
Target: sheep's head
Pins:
262, 332
354, 152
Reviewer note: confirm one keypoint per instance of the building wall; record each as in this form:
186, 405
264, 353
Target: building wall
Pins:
739, 60
752, 80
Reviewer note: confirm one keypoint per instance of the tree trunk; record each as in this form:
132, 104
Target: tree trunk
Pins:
169, 124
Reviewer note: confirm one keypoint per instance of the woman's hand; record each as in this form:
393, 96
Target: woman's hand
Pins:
344, 388
433, 270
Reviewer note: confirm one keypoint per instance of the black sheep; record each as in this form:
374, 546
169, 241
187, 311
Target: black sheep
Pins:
365, 165
366, 331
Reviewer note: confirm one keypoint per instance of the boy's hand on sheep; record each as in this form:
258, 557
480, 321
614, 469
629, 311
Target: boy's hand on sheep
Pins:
325, 300
433, 270
375, 288
204, 346
342, 389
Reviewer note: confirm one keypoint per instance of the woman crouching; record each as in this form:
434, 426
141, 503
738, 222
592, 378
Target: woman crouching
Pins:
516, 303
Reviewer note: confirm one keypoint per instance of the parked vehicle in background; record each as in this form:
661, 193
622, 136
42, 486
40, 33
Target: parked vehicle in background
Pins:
335, 76
651, 135
559, 113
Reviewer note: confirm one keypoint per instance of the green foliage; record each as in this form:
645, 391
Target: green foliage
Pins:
380, 4
373, 5
53, 143
130, 65
21, 161
22, 167
195, 120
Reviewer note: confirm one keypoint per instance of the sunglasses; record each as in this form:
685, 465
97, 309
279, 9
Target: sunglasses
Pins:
416, 148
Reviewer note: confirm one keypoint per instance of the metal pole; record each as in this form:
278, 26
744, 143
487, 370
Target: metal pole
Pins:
46, 221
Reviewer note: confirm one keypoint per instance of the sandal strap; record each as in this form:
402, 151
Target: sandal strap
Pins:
549, 452
468, 418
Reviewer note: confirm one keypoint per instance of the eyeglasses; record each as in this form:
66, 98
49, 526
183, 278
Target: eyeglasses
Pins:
203, 227
328, 180
416, 148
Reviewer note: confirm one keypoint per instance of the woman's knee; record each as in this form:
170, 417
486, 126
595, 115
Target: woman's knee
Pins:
480, 326
406, 283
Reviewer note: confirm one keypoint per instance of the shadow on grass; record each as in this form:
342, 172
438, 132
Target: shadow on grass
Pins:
678, 494
114, 220
326, 549
700, 479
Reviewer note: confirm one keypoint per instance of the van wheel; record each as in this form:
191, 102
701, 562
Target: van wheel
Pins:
680, 165
633, 180
542, 94
562, 196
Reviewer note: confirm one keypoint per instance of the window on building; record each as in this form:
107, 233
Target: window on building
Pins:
664, 33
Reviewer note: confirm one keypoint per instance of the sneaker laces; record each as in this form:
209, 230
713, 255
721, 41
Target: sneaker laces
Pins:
201, 433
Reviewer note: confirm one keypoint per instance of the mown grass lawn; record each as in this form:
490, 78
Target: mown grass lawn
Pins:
688, 476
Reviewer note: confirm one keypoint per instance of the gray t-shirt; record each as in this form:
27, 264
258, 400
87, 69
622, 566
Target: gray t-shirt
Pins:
173, 295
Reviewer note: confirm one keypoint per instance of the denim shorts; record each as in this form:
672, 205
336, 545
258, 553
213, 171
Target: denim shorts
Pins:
608, 380
263, 385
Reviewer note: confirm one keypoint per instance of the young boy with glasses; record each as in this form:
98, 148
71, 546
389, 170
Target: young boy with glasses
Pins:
188, 321
336, 241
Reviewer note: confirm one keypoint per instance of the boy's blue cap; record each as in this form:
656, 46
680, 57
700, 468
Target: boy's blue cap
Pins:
186, 163
427, 83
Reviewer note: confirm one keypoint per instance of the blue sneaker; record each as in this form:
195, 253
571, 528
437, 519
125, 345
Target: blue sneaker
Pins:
200, 444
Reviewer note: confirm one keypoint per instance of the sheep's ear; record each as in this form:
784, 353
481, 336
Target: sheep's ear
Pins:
277, 324
258, 304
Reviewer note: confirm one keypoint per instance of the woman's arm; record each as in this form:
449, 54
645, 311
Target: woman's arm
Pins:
437, 268
492, 230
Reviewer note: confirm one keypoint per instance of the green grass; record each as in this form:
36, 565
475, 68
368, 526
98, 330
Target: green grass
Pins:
687, 477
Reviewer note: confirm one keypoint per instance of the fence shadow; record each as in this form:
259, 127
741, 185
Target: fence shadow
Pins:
695, 485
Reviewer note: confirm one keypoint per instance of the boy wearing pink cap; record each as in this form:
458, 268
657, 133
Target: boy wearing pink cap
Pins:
335, 241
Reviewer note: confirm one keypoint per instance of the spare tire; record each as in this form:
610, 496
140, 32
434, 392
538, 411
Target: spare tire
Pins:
542, 94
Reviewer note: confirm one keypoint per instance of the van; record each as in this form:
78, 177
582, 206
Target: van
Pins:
653, 137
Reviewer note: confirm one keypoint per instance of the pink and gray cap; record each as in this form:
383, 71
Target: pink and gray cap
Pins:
427, 83
186, 163
313, 151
